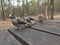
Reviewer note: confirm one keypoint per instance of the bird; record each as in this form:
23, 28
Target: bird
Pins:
40, 17
29, 19
17, 22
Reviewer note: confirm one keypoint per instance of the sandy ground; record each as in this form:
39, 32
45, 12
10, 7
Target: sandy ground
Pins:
57, 17
5, 24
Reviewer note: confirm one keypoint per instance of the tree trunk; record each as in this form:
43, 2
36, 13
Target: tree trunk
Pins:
38, 6
13, 12
52, 9
10, 7
27, 7
46, 9
3, 15
18, 8
23, 10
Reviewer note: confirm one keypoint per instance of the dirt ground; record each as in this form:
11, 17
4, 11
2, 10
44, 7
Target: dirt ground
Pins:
5, 24
57, 17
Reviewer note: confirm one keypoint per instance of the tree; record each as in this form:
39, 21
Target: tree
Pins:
52, 9
23, 9
27, 7
3, 15
57, 6
46, 10
32, 7
18, 8
10, 7
38, 5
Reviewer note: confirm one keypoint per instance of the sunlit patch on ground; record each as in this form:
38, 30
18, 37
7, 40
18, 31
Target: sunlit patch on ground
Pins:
57, 17
5, 24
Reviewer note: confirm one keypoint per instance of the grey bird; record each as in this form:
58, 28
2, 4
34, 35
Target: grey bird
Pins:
29, 19
17, 22
40, 17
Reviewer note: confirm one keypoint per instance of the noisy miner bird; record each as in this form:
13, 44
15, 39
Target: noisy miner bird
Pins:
29, 19
17, 22
40, 17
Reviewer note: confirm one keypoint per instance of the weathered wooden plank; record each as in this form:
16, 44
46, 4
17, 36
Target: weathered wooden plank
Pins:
34, 37
18, 38
7, 39
49, 26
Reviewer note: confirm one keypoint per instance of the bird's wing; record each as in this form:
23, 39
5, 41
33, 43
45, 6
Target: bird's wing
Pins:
20, 21
31, 18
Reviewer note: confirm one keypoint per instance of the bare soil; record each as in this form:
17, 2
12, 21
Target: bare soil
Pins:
5, 24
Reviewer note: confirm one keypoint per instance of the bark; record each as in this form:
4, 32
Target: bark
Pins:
23, 10
37, 5
46, 9
3, 15
52, 9
27, 7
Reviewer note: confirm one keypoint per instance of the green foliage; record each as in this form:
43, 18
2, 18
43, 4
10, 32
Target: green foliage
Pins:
32, 9
32, 2
57, 5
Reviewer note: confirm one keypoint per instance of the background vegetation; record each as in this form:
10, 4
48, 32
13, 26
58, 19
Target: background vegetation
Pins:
20, 7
